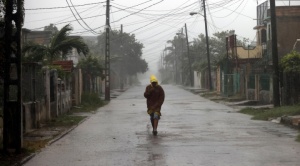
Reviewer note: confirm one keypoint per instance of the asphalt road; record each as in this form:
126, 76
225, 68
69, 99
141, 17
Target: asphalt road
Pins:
192, 131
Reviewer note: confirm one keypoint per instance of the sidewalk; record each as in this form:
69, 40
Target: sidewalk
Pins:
238, 104
45, 136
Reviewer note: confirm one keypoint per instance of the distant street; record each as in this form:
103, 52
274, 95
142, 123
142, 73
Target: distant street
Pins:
192, 131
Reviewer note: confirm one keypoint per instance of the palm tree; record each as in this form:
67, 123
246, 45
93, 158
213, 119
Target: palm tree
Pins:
60, 44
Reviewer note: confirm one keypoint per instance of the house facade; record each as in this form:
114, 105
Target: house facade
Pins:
259, 79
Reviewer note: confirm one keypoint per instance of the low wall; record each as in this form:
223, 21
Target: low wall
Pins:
251, 94
34, 113
64, 101
53, 109
264, 96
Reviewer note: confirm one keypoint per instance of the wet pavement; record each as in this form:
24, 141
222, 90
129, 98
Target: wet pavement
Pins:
192, 131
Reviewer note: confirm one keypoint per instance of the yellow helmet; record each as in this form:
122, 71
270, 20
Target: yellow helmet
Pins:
153, 79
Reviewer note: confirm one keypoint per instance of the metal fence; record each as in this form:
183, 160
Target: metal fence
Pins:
291, 89
264, 81
231, 84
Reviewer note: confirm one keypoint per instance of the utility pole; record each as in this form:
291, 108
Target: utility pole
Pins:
122, 65
236, 55
165, 53
12, 102
176, 63
207, 49
107, 53
182, 41
189, 58
276, 98
181, 47
161, 60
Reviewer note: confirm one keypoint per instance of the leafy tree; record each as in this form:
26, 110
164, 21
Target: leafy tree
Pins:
198, 52
52, 28
175, 49
2, 56
176, 57
61, 43
290, 63
91, 69
217, 50
2, 13
218, 47
126, 53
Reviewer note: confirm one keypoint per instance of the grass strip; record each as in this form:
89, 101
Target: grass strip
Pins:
268, 113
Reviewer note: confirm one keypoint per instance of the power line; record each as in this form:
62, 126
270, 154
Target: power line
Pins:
50, 8
232, 11
158, 19
147, 10
137, 5
172, 26
163, 16
75, 16
139, 11
57, 23
153, 15
67, 17
236, 16
80, 17
160, 22
213, 23
54, 11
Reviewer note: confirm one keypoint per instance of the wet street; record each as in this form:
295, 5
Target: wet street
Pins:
192, 131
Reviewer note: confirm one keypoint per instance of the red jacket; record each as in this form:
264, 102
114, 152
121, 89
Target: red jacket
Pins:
155, 97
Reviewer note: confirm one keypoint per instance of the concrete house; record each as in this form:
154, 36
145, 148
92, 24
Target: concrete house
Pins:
46, 94
288, 31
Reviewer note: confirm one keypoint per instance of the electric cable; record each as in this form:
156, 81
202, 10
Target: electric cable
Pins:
76, 17
64, 6
162, 17
224, 7
81, 18
212, 20
153, 21
233, 11
69, 16
235, 17
54, 11
95, 15
139, 11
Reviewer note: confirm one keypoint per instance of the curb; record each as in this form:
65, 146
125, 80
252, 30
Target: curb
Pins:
65, 132
26, 159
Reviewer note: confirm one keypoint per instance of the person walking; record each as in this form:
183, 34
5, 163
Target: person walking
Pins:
155, 96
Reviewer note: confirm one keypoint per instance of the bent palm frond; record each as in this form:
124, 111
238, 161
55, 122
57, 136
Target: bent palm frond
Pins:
62, 35
35, 51
61, 43
72, 42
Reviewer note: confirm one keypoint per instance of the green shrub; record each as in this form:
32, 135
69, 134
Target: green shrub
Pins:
90, 99
291, 62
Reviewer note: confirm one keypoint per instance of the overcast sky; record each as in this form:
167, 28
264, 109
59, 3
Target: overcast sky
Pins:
152, 21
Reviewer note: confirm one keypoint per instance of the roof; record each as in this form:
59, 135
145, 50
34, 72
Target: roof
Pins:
39, 37
67, 66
